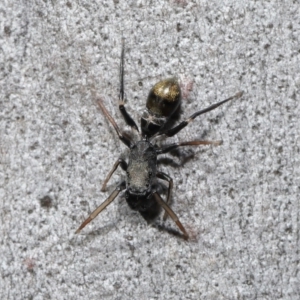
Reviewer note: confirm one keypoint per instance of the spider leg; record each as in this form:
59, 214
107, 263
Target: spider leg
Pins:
168, 148
128, 119
122, 137
98, 210
171, 213
176, 129
166, 177
123, 164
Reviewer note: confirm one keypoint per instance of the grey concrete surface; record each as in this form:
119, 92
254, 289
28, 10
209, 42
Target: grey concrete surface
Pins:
239, 201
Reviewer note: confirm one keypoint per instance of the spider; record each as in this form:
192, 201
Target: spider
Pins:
141, 169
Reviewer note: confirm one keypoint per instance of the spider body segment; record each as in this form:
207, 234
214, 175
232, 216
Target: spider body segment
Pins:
141, 175
163, 100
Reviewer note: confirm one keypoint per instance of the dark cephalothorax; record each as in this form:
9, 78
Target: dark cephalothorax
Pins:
141, 175
141, 169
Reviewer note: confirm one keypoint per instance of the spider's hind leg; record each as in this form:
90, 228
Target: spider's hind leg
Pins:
128, 119
180, 126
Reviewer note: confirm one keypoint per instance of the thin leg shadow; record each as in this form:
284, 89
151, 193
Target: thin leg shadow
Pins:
169, 230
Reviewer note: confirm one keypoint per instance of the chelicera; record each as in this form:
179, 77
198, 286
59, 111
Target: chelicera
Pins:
141, 169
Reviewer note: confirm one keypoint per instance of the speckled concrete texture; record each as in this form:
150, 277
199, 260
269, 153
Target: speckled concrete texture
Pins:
238, 201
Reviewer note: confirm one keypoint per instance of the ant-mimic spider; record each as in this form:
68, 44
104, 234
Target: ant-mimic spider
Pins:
141, 169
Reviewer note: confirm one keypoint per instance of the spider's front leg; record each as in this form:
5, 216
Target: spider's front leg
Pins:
171, 213
166, 177
98, 210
